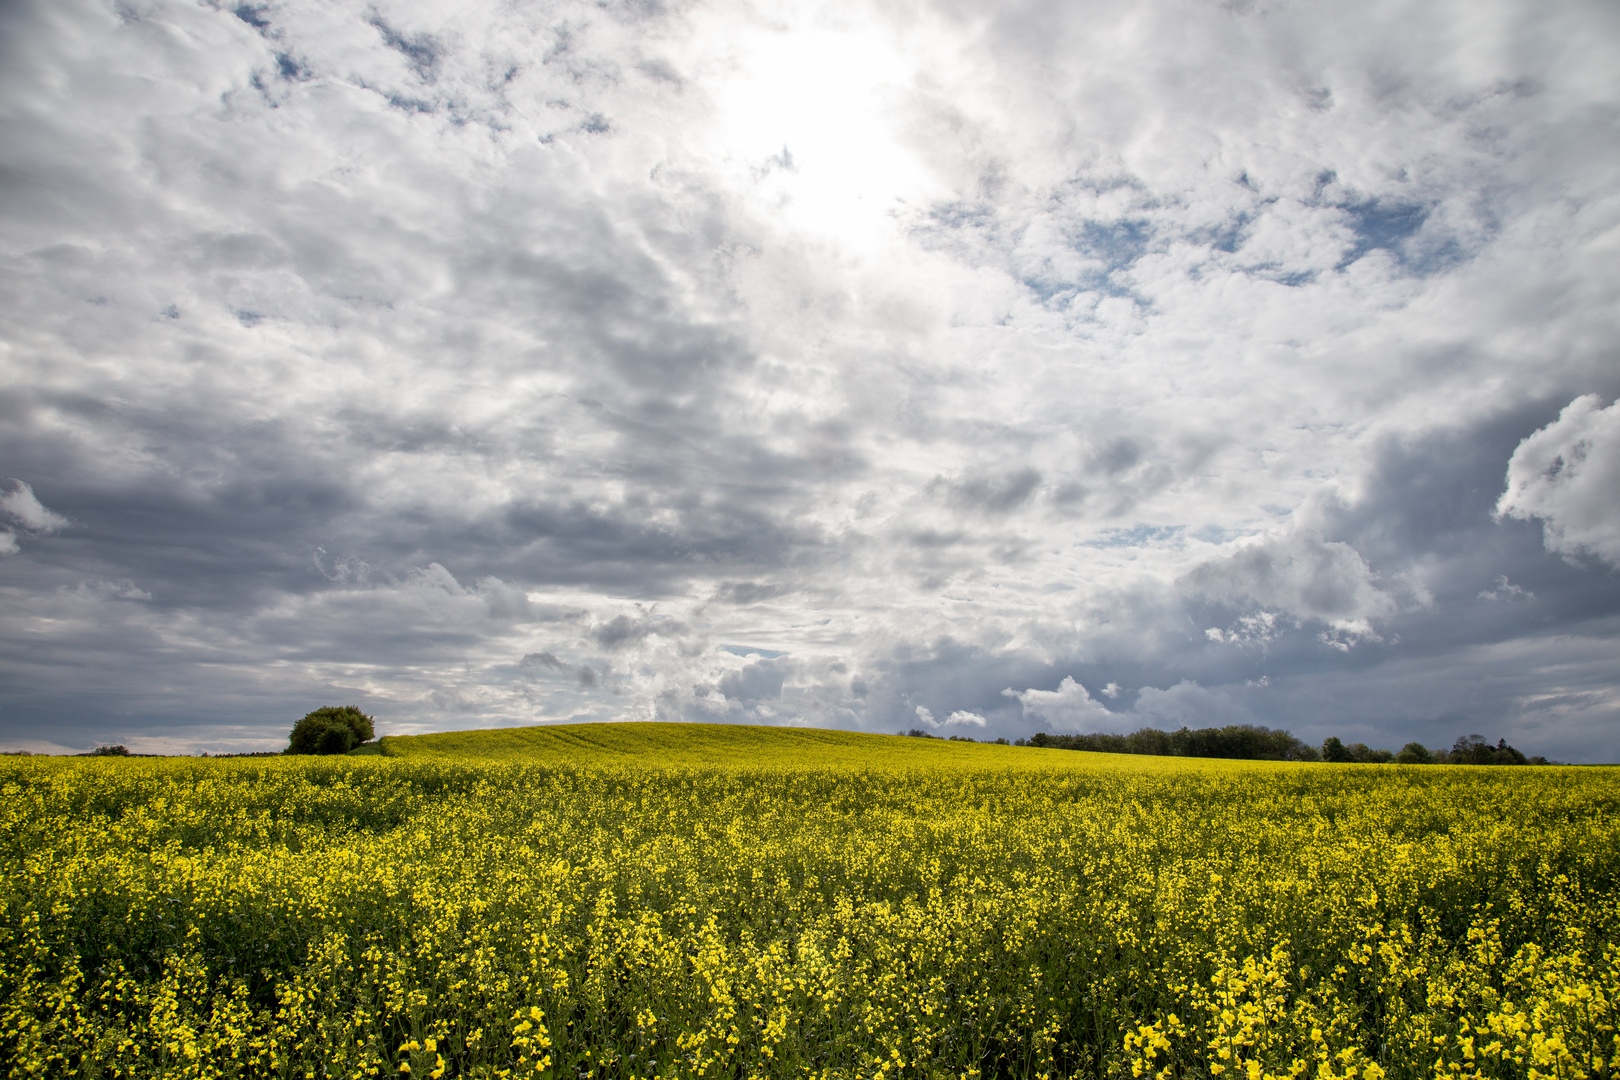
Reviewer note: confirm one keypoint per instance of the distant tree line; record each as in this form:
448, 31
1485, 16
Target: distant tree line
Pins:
1252, 742
919, 733
100, 751
1467, 750
1249, 742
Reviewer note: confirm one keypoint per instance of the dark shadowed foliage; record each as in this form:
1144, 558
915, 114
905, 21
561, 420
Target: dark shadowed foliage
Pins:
1474, 750
1242, 741
1414, 753
335, 729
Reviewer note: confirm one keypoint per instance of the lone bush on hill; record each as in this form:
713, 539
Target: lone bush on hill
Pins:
335, 729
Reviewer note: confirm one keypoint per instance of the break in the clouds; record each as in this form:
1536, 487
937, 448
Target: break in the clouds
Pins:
985, 369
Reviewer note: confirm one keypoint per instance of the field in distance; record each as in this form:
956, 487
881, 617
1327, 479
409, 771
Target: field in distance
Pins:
686, 744
646, 900
657, 744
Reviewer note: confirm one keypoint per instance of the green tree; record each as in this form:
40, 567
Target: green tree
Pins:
1474, 750
1414, 753
1362, 754
1333, 749
335, 729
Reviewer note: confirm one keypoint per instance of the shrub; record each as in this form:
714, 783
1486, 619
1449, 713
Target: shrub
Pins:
335, 729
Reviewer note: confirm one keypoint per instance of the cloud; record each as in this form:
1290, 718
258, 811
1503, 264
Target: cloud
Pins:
1148, 345
1295, 572
1567, 475
624, 630
754, 682
534, 663
1068, 708
961, 718
1256, 628
749, 592
1506, 590
1187, 704
993, 493
118, 590
21, 505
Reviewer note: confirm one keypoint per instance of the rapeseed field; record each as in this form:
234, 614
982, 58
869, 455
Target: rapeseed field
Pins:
554, 903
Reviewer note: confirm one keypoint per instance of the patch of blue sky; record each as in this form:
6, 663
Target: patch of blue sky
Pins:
1383, 224
1274, 272
961, 214
1049, 290
410, 104
1226, 237
1136, 536
966, 227
1214, 534
1111, 247
253, 15
1118, 244
422, 52
1398, 227
750, 650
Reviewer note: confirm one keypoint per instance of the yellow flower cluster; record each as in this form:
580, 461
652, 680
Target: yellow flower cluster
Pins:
981, 912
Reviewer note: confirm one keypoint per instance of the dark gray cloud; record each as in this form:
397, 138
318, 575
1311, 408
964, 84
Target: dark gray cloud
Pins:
1076, 369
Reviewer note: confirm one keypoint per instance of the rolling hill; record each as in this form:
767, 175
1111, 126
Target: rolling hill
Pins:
696, 744
752, 746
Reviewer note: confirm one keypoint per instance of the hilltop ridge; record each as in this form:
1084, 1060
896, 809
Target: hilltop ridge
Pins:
687, 744
681, 744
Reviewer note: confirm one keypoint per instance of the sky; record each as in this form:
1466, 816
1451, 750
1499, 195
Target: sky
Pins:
984, 369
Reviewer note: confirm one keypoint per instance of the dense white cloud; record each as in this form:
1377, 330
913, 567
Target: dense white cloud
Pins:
816, 365
1568, 475
23, 507
965, 719
1068, 708
1299, 574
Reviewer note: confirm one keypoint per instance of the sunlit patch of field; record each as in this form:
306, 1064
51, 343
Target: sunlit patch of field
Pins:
692, 745
744, 746
689, 900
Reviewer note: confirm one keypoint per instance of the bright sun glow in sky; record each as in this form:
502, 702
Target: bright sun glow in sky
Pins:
806, 117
